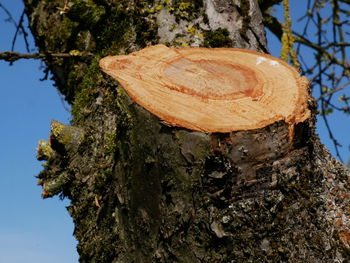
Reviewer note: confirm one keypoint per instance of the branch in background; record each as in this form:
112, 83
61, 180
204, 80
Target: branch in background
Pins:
330, 54
10, 56
20, 29
331, 136
325, 34
288, 52
273, 25
9, 16
333, 91
266, 5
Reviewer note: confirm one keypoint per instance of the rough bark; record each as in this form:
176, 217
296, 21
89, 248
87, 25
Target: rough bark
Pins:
142, 191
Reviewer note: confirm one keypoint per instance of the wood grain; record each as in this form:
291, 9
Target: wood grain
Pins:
212, 90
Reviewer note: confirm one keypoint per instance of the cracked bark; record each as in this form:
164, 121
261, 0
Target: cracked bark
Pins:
142, 191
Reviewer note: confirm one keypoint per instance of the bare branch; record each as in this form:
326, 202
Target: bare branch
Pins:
10, 56
333, 91
19, 27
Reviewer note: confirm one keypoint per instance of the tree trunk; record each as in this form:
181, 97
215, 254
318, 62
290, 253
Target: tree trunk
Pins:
142, 190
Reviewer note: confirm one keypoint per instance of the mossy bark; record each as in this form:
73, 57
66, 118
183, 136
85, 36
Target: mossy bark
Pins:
142, 191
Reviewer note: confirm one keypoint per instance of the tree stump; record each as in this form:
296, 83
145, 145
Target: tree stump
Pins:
220, 163
236, 167
212, 90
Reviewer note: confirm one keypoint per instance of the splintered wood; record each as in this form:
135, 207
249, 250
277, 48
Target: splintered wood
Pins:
211, 90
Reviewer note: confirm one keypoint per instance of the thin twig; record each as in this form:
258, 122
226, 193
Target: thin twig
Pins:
332, 91
19, 27
10, 56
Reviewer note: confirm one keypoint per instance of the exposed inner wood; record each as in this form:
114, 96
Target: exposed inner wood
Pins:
212, 90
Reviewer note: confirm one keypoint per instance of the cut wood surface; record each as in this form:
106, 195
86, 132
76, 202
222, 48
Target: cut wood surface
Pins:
212, 90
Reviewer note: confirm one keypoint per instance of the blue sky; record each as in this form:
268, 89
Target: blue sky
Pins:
32, 229
339, 123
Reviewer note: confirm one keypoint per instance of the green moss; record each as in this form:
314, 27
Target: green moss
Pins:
185, 10
192, 30
100, 180
82, 100
55, 185
125, 119
71, 137
245, 7
110, 142
188, 5
44, 151
122, 21
116, 31
184, 6
86, 14
108, 23
55, 37
217, 38
56, 128
86, 92
145, 25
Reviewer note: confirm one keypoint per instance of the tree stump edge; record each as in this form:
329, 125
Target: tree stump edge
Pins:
169, 83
